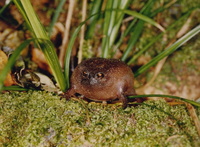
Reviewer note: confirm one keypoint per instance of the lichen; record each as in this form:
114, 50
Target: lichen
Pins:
38, 118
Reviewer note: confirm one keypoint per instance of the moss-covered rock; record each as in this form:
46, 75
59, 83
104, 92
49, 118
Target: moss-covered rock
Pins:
38, 118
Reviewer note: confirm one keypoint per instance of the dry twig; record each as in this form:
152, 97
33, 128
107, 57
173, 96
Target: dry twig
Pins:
194, 117
84, 9
66, 32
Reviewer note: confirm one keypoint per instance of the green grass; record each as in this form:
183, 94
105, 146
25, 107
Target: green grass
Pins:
169, 50
43, 41
110, 18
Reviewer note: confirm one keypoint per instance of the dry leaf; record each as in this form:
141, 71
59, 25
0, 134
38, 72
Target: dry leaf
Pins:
3, 60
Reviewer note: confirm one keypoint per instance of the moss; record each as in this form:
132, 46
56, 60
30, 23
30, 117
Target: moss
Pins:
42, 119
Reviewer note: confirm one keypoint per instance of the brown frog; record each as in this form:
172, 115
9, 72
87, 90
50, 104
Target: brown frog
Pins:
100, 79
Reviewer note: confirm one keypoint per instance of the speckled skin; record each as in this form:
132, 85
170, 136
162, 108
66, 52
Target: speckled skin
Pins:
102, 79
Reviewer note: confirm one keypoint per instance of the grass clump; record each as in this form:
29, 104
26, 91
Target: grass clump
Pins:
42, 119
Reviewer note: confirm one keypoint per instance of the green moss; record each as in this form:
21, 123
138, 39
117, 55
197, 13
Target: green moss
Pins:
42, 119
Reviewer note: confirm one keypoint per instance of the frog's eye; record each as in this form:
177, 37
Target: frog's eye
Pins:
99, 75
85, 74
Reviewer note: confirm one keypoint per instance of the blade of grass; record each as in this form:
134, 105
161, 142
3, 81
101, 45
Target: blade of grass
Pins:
23, 13
139, 28
4, 8
131, 27
45, 45
112, 22
96, 8
114, 30
108, 21
15, 88
144, 18
6, 16
51, 56
56, 15
136, 55
69, 50
33, 20
169, 96
118, 21
12, 60
169, 50
133, 39
161, 9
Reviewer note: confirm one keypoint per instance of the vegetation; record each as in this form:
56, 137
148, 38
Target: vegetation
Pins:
158, 39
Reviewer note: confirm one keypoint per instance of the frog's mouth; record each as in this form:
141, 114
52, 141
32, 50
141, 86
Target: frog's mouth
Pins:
93, 81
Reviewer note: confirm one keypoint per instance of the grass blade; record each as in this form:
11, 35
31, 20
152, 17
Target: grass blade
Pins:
69, 50
133, 39
169, 50
15, 88
113, 19
137, 30
11, 61
144, 18
136, 55
96, 8
4, 8
169, 96
131, 27
56, 15
108, 21
45, 45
